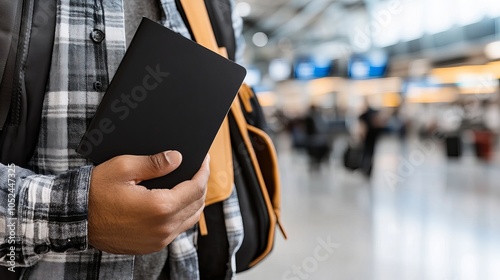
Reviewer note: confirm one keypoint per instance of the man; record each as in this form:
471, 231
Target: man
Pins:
75, 221
372, 124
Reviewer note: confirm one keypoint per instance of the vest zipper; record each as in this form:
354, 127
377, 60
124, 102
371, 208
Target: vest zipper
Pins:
19, 86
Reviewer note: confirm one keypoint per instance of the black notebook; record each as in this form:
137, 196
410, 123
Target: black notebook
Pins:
169, 93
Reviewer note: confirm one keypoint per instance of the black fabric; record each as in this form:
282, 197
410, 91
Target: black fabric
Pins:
5, 274
219, 12
213, 249
27, 83
253, 207
256, 117
9, 25
7, 86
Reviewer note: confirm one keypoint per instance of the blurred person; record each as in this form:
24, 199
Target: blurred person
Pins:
371, 127
318, 146
486, 131
449, 124
405, 115
450, 118
491, 117
397, 123
279, 122
427, 119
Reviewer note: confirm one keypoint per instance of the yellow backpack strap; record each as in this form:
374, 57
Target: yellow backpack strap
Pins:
197, 16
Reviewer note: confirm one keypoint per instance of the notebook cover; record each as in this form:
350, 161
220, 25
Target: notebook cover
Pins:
169, 93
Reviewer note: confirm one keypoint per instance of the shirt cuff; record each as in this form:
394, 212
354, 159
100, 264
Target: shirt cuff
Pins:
54, 213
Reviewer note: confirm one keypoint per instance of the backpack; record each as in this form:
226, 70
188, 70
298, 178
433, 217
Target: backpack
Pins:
253, 165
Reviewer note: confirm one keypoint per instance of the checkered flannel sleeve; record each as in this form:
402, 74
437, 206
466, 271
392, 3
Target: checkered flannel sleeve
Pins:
41, 214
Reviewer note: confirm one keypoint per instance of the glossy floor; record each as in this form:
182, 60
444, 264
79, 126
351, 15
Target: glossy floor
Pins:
420, 217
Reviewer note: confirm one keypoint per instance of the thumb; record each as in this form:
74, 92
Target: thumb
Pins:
158, 165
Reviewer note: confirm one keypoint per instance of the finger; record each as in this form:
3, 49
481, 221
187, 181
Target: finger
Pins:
190, 221
154, 166
204, 172
186, 192
197, 186
184, 226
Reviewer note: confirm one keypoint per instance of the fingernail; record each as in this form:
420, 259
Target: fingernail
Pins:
172, 157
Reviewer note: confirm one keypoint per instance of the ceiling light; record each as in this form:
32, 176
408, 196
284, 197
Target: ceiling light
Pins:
243, 9
260, 39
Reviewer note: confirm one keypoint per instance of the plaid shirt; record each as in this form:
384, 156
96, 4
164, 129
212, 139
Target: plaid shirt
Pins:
49, 217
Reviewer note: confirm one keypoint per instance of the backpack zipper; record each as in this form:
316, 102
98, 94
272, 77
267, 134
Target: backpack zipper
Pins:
19, 83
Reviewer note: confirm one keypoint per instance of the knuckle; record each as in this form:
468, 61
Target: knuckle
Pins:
166, 215
200, 187
203, 189
201, 206
156, 162
161, 209
200, 191
203, 197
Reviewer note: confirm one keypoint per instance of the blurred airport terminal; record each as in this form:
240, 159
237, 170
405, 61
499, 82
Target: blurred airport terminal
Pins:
386, 119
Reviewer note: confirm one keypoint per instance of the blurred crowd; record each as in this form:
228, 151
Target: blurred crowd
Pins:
472, 119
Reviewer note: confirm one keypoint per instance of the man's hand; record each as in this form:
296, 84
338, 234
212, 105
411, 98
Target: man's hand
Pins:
127, 218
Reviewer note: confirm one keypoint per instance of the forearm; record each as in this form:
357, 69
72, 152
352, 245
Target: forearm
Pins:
39, 214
